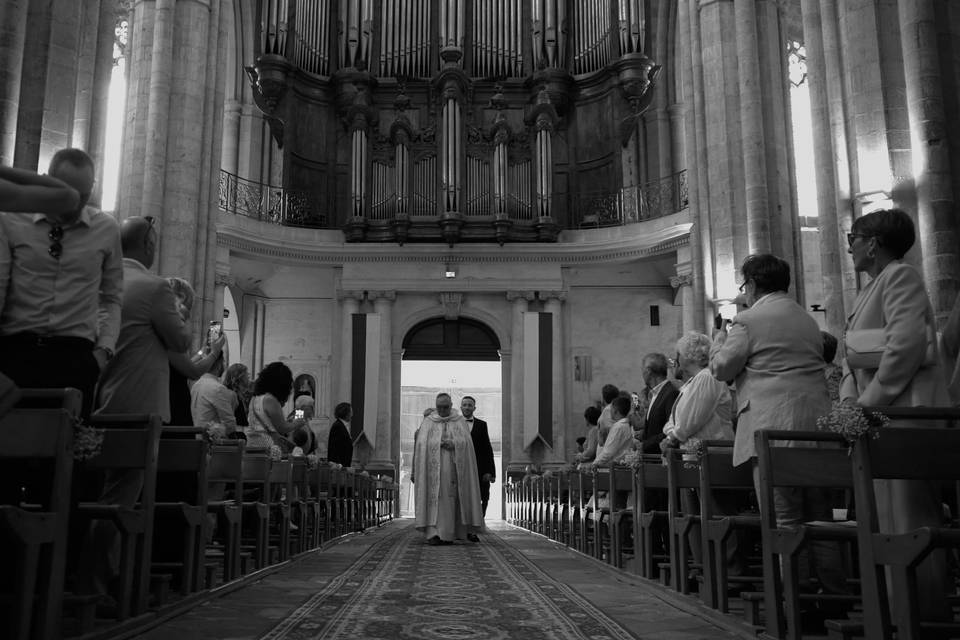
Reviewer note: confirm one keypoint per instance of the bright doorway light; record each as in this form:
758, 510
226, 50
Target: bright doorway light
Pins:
116, 106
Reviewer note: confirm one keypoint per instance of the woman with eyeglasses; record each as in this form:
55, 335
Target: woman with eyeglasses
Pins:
905, 373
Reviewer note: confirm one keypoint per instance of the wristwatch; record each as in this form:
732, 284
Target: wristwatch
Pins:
107, 351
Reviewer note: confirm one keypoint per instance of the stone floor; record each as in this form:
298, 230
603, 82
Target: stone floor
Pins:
643, 609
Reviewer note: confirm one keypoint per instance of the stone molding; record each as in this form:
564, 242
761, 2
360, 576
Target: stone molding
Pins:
350, 295
681, 280
451, 302
513, 296
382, 295
559, 296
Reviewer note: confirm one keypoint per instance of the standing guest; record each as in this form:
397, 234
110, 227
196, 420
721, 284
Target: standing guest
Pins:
339, 443
907, 375
26, 191
61, 282
237, 379
304, 438
619, 440
590, 415
774, 352
211, 402
185, 367
663, 394
832, 373
135, 381
267, 425
445, 476
486, 468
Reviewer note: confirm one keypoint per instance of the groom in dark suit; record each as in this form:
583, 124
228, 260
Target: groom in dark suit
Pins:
482, 447
663, 393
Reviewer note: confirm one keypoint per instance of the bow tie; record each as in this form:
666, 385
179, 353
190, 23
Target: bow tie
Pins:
469, 419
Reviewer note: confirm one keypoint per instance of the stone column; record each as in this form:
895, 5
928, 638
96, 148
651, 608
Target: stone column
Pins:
158, 113
230, 151
751, 118
349, 305
936, 201
677, 137
383, 305
13, 32
682, 284
554, 305
825, 152
520, 303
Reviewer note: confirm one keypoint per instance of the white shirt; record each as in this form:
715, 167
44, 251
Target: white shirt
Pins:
653, 395
469, 422
702, 411
618, 442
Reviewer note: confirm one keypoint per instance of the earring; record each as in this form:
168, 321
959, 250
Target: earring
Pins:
871, 254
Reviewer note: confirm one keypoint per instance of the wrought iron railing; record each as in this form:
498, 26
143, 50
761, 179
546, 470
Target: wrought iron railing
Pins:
632, 204
289, 207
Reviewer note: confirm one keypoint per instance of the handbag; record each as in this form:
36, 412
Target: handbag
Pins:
863, 348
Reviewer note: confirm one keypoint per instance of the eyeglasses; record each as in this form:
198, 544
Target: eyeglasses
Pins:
56, 247
743, 285
853, 236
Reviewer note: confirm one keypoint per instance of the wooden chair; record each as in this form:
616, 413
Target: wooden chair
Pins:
225, 474
303, 509
279, 496
897, 453
718, 473
255, 504
38, 532
584, 491
809, 465
651, 484
682, 475
130, 444
181, 505
622, 514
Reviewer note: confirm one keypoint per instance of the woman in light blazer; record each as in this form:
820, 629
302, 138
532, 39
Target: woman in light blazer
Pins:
895, 300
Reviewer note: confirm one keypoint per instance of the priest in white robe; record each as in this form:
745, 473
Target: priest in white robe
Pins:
446, 491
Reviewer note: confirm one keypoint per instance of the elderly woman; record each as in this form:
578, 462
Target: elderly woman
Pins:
906, 375
702, 411
237, 379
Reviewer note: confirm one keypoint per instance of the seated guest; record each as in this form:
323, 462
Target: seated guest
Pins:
237, 379
702, 411
185, 367
267, 426
590, 415
662, 396
212, 403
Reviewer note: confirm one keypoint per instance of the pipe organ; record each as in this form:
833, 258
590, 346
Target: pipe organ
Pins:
457, 119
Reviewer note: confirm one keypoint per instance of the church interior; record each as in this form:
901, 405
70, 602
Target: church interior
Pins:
552, 188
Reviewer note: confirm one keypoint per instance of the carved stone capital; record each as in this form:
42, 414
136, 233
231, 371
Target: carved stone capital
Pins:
222, 280
382, 295
547, 296
344, 295
513, 296
451, 302
681, 280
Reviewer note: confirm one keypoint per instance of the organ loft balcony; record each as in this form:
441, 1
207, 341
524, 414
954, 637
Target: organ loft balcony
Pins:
455, 121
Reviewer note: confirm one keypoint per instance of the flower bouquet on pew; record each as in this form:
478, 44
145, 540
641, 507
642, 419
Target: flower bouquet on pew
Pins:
276, 455
214, 433
87, 441
851, 421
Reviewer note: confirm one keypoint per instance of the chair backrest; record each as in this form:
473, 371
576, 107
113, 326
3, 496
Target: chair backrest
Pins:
130, 441
681, 474
717, 470
651, 474
255, 468
320, 479
42, 434
69, 399
281, 475
182, 470
905, 453
812, 459
226, 464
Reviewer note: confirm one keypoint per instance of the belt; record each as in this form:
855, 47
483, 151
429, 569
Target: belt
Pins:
28, 339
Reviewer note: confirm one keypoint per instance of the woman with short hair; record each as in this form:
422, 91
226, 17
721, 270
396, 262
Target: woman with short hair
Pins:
907, 374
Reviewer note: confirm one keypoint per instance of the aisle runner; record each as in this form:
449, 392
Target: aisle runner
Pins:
403, 588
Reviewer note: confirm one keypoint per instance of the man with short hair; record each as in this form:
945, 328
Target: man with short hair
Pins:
211, 402
608, 393
619, 440
663, 394
339, 444
61, 283
486, 467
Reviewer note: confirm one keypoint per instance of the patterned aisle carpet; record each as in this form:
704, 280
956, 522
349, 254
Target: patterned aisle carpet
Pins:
404, 588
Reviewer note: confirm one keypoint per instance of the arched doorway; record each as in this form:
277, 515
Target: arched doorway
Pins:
461, 357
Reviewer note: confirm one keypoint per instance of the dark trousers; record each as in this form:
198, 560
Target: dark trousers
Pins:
35, 362
484, 495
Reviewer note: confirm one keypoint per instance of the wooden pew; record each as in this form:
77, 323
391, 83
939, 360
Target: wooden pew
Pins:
651, 484
901, 453
682, 475
39, 532
584, 490
225, 473
810, 465
130, 444
718, 473
622, 512
281, 490
255, 505
181, 504
303, 508
320, 489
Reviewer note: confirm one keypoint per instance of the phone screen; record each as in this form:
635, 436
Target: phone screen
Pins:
215, 331
298, 414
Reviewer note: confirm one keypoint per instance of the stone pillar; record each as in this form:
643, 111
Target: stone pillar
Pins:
383, 305
230, 151
349, 305
936, 201
554, 305
751, 118
826, 152
13, 32
677, 137
520, 303
682, 284
158, 113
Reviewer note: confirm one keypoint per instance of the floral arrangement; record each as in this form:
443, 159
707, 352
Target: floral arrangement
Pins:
87, 441
850, 421
275, 454
313, 461
214, 433
630, 458
547, 474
